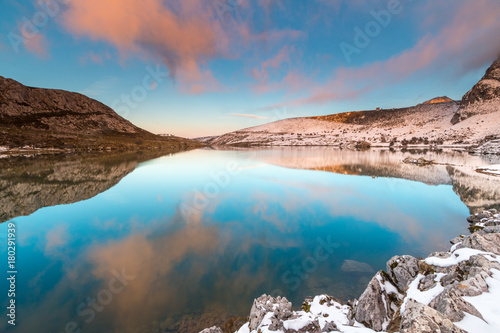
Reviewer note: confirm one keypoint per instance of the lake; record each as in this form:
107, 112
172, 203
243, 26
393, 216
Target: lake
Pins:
140, 243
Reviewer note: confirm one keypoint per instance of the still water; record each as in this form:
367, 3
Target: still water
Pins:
181, 242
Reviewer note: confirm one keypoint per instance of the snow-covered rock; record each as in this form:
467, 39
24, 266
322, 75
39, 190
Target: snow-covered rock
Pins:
378, 303
419, 318
402, 270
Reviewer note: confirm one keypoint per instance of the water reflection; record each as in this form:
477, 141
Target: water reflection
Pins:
28, 183
276, 225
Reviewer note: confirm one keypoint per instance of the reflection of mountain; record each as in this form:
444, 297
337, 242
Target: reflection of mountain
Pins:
477, 191
30, 183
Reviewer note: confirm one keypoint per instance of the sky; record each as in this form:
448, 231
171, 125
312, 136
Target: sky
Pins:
206, 67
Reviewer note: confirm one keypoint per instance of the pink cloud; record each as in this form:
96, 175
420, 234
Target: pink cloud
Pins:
183, 38
35, 43
282, 57
468, 41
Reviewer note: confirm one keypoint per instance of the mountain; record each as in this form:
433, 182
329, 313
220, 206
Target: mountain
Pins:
440, 121
483, 98
438, 100
51, 118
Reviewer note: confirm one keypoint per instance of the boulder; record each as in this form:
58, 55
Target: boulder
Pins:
378, 303
419, 318
450, 304
279, 306
402, 270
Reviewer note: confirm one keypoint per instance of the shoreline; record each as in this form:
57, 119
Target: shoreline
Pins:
452, 291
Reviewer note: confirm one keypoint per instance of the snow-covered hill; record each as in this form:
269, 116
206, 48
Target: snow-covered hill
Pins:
472, 121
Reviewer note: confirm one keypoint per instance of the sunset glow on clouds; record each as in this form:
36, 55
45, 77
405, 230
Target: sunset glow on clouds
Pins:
247, 58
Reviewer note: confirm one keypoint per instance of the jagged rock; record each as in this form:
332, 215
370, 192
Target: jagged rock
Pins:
456, 240
402, 270
452, 305
213, 329
428, 282
486, 242
419, 318
487, 89
378, 303
330, 327
280, 306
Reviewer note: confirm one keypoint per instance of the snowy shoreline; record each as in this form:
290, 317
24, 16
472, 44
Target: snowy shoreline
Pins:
453, 291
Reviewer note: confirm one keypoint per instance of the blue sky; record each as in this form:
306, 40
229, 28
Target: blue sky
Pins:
195, 68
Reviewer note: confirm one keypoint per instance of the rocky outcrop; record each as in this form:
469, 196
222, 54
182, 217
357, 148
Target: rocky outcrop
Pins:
378, 303
486, 90
429, 295
275, 310
402, 270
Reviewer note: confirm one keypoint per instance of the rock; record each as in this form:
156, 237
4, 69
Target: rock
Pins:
487, 89
486, 242
330, 327
456, 240
280, 306
418, 161
378, 303
419, 318
213, 329
402, 270
491, 229
428, 282
356, 266
452, 305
